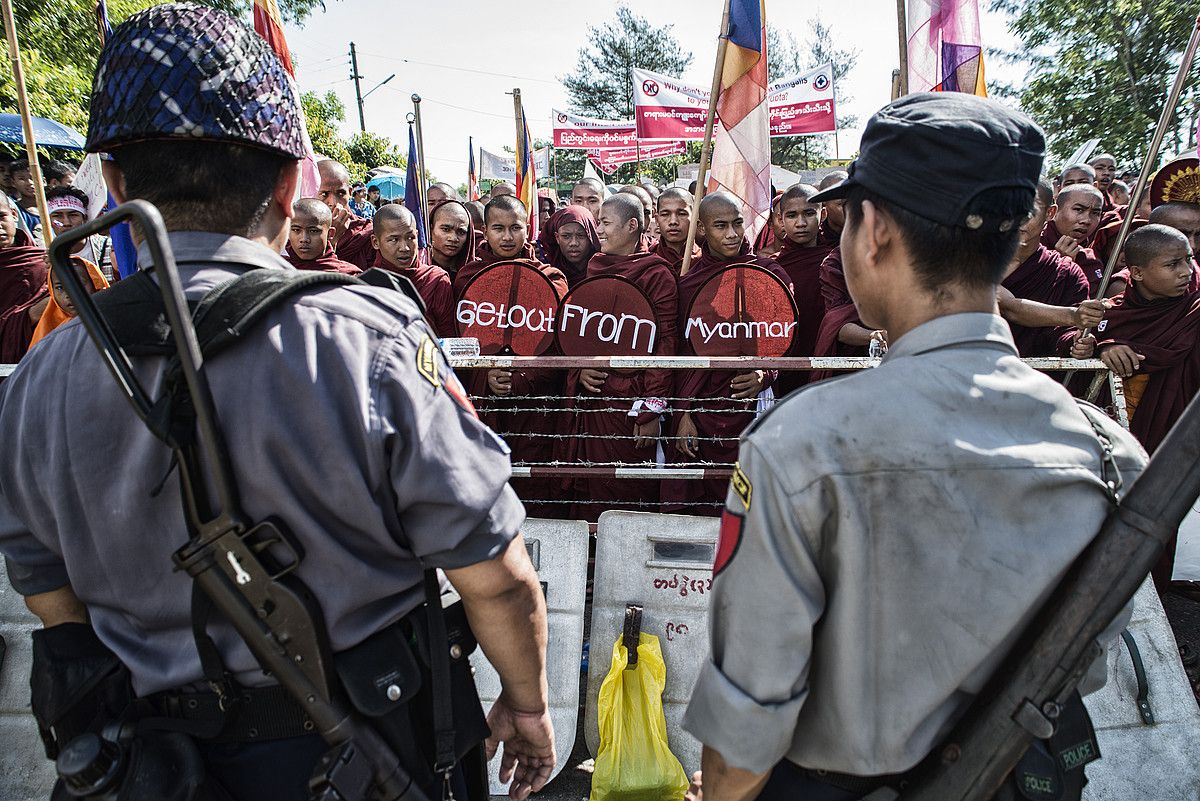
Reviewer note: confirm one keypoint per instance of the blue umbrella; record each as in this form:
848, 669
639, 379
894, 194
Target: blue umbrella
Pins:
390, 186
46, 132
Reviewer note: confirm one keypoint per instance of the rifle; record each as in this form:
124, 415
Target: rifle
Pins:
272, 611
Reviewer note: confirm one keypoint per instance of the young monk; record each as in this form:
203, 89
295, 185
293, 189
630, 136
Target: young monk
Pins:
1152, 335
729, 398
835, 210
630, 431
674, 214
589, 193
506, 237
801, 258
394, 237
24, 326
1044, 276
1071, 225
451, 240
351, 235
769, 241
22, 265
308, 246
570, 240
1105, 166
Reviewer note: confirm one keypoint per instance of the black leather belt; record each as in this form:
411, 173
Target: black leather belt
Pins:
249, 714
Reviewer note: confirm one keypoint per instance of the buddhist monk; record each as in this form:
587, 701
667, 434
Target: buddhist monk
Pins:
801, 258
22, 265
588, 193
475, 209
1118, 193
770, 237
674, 215
308, 246
1183, 217
620, 411
1044, 276
502, 188
395, 240
506, 236
648, 222
1072, 223
351, 236
1151, 337
451, 239
569, 241
1076, 174
835, 210
1105, 166
728, 398
439, 193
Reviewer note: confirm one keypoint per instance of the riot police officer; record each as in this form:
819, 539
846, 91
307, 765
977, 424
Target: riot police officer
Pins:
343, 421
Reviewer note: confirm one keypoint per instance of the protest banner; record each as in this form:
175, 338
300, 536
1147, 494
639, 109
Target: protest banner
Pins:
744, 310
504, 168
607, 316
609, 159
572, 132
803, 104
511, 308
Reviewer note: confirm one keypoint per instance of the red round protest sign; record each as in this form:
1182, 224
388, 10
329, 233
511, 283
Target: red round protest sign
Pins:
607, 316
744, 310
510, 307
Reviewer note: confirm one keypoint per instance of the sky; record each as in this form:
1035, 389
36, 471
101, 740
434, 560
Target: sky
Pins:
463, 56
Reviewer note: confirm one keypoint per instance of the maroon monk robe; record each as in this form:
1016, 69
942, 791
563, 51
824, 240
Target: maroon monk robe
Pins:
327, 262
355, 244
466, 255
839, 311
828, 236
484, 258
533, 437
1048, 277
721, 418
16, 328
433, 285
22, 272
606, 425
1086, 258
674, 259
549, 241
803, 267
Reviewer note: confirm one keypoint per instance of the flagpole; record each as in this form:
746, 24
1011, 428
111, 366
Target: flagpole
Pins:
902, 26
470, 156
520, 129
706, 148
422, 190
35, 169
637, 154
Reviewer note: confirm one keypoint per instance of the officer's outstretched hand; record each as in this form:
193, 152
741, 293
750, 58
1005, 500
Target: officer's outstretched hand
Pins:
527, 758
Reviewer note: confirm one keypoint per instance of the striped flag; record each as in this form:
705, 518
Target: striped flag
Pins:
103, 27
269, 25
945, 48
527, 177
412, 186
741, 155
472, 176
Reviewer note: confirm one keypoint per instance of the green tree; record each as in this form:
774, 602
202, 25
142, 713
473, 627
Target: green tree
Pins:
363, 151
1100, 71
788, 60
601, 85
60, 45
372, 150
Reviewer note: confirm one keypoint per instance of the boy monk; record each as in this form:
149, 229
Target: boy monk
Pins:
673, 211
729, 397
394, 237
1152, 333
1072, 224
451, 239
308, 246
801, 258
351, 235
506, 237
620, 411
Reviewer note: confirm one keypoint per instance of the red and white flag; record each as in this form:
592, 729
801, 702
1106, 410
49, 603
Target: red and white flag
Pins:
269, 25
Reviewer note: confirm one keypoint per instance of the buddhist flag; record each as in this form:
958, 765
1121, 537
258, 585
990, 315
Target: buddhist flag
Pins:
741, 155
945, 50
269, 25
472, 176
412, 186
527, 177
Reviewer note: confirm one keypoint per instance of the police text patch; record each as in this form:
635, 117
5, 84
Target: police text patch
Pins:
741, 486
427, 361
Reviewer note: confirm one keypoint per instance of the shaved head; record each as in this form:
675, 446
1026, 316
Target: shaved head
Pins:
591, 183
334, 190
833, 179
439, 192
798, 192
623, 207
333, 169
1077, 174
1105, 158
716, 202
1183, 217
505, 203
475, 209
1071, 190
1045, 193
675, 193
311, 208
394, 212
502, 188
1150, 241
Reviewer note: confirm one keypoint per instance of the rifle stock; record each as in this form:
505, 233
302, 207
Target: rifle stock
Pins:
1054, 652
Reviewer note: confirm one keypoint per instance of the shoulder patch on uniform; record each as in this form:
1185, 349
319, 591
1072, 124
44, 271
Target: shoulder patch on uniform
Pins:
741, 485
728, 541
427, 361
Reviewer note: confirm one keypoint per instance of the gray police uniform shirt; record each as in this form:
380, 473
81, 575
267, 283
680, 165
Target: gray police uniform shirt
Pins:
898, 528
375, 467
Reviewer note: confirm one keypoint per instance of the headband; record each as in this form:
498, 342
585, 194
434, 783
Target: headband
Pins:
66, 203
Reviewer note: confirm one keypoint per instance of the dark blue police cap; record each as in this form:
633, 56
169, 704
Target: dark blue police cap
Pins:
183, 71
933, 153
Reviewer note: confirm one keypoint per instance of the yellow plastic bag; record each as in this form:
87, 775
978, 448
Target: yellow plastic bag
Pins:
634, 763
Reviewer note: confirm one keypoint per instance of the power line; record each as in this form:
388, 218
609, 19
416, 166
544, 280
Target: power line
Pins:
460, 69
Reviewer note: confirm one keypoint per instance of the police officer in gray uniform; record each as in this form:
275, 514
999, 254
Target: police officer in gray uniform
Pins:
887, 535
342, 417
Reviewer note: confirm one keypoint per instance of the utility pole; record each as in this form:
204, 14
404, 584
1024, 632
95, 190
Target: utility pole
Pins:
362, 122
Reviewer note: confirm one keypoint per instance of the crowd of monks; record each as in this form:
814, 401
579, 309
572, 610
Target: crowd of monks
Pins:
1144, 325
